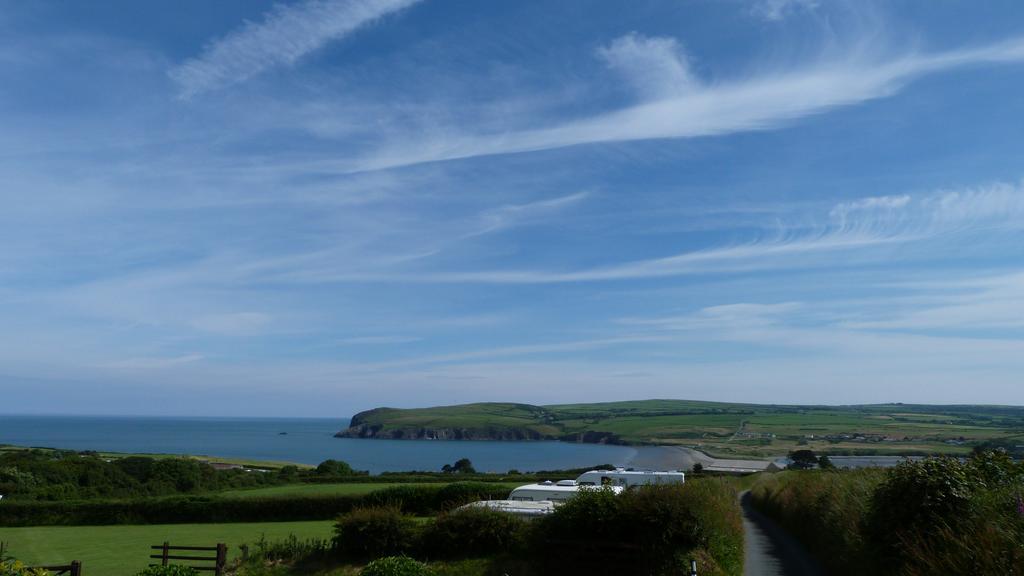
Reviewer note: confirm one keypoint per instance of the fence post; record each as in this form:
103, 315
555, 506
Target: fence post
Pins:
222, 558
76, 568
167, 546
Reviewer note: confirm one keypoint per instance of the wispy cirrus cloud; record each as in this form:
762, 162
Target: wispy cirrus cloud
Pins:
677, 106
510, 215
775, 10
861, 224
378, 340
286, 34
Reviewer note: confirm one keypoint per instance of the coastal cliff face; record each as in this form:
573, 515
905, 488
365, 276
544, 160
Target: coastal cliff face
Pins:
423, 433
368, 425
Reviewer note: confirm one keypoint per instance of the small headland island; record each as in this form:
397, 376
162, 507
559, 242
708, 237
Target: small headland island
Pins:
749, 430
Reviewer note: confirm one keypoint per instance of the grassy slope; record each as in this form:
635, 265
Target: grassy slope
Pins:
483, 415
246, 462
124, 550
737, 429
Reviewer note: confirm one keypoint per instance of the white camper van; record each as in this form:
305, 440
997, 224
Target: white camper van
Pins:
629, 478
553, 491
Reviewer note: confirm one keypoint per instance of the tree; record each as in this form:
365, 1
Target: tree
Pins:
803, 459
825, 463
698, 468
334, 468
461, 466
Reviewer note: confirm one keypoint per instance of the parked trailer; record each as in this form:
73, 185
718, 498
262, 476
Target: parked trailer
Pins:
521, 508
552, 491
629, 478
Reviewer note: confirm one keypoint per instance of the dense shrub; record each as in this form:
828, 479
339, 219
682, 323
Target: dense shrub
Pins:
291, 549
375, 532
935, 516
170, 570
824, 509
396, 566
424, 500
15, 568
650, 530
471, 532
334, 468
64, 475
416, 500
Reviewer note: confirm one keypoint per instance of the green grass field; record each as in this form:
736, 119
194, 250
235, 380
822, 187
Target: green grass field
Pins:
730, 429
124, 550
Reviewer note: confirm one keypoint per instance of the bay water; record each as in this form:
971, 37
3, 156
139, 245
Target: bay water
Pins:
302, 440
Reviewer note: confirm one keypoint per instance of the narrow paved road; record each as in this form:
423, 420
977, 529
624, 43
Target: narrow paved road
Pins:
769, 550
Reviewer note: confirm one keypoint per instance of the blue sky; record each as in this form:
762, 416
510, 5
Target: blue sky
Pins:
315, 207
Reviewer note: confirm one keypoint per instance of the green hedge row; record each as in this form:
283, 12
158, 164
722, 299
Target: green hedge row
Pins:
934, 516
416, 500
650, 530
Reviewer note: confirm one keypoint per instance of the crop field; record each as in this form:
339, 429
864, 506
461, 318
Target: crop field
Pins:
756, 430
124, 550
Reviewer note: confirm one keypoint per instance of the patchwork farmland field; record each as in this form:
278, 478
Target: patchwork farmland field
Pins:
727, 429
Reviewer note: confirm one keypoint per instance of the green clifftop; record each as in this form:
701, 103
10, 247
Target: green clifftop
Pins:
739, 429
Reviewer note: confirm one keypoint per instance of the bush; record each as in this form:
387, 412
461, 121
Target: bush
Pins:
396, 566
825, 510
650, 530
935, 516
15, 568
417, 500
471, 532
170, 570
291, 549
375, 532
334, 468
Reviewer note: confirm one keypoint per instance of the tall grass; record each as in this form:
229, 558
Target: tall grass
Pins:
938, 516
826, 510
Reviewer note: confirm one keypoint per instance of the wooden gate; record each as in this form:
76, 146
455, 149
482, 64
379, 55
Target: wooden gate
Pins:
168, 553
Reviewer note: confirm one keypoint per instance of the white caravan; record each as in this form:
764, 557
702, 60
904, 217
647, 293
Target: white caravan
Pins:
551, 491
521, 508
629, 478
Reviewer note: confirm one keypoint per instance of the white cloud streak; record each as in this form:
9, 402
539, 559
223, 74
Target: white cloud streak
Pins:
286, 34
702, 109
776, 10
866, 223
511, 215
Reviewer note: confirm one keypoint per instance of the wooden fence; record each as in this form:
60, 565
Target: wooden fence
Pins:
72, 569
167, 553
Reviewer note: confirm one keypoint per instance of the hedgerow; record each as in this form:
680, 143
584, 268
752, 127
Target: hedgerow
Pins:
418, 500
935, 516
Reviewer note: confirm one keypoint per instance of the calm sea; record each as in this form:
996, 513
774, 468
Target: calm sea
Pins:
306, 440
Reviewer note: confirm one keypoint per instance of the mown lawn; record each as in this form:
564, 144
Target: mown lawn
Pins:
124, 550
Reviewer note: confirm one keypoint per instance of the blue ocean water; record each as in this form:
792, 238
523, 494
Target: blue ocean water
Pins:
307, 441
